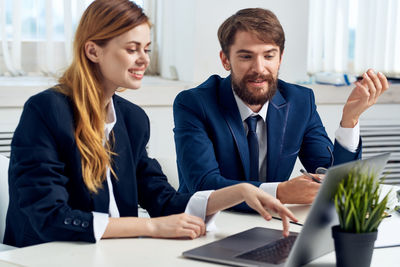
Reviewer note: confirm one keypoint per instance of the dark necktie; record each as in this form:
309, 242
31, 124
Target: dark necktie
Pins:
253, 146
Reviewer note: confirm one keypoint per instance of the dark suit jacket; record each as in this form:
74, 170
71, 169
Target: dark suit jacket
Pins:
211, 143
48, 199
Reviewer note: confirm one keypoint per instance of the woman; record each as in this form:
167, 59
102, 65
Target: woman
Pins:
79, 167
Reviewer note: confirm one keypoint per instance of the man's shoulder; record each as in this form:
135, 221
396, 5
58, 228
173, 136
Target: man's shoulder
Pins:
293, 88
206, 89
212, 82
293, 91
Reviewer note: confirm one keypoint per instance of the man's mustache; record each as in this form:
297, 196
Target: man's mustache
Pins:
256, 76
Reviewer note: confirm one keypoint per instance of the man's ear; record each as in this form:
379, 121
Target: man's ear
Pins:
92, 51
280, 59
225, 61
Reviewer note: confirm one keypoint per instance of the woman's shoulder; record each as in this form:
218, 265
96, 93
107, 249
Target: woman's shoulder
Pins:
50, 104
50, 98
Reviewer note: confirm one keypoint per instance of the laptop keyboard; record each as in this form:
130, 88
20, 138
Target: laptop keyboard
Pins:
274, 252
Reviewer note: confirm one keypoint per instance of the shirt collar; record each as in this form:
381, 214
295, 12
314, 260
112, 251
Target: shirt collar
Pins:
246, 112
110, 114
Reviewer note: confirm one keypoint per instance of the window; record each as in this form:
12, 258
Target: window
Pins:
350, 36
32, 32
32, 16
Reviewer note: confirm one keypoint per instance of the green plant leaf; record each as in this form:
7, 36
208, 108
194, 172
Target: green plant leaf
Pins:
356, 219
357, 202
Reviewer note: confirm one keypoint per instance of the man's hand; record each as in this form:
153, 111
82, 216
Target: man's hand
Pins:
298, 190
364, 95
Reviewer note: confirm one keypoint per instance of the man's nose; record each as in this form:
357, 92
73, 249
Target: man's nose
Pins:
258, 65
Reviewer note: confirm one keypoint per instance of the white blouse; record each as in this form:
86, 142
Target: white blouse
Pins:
196, 206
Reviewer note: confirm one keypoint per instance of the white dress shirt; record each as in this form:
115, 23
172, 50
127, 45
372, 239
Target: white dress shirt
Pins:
347, 137
196, 206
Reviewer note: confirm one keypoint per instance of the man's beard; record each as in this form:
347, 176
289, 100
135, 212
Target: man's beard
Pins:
249, 96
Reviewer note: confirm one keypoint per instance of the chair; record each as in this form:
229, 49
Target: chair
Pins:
4, 161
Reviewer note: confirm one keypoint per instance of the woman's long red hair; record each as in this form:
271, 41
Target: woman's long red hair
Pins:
82, 82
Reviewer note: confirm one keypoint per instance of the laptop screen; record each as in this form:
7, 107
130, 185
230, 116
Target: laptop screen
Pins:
314, 239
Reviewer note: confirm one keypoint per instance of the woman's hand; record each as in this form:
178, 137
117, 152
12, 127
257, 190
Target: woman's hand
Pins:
189, 226
173, 226
256, 198
179, 225
263, 202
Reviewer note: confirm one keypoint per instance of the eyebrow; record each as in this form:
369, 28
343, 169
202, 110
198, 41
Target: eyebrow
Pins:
251, 52
138, 43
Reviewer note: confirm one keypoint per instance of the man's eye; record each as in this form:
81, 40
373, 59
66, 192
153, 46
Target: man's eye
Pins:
245, 56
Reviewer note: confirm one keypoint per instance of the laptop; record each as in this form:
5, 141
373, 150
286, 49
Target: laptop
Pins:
248, 248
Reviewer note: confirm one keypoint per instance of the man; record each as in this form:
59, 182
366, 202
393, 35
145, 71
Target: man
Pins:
250, 126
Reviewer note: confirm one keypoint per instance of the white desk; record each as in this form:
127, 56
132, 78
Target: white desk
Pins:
157, 252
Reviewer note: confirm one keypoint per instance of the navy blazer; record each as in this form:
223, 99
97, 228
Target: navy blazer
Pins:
48, 198
211, 143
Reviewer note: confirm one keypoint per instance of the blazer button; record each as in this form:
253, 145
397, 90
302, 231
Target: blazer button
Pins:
76, 222
67, 220
85, 224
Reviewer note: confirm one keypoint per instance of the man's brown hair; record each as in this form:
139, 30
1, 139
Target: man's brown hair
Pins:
262, 22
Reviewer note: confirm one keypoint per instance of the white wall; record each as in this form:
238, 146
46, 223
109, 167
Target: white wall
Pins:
190, 43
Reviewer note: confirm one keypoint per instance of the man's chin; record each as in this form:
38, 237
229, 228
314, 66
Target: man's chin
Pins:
258, 91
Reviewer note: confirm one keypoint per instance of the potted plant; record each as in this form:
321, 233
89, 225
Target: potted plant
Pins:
360, 210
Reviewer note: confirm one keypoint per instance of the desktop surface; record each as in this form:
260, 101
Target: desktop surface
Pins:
161, 252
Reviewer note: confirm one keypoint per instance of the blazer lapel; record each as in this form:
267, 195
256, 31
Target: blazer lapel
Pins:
276, 125
123, 157
231, 114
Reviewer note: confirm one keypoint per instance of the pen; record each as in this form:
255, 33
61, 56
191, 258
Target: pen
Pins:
310, 176
296, 223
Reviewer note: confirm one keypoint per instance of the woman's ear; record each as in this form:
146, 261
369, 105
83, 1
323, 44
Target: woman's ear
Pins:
92, 51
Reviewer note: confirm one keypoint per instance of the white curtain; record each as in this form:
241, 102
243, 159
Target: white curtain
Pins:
376, 42
39, 53
48, 48
5, 52
328, 38
150, 7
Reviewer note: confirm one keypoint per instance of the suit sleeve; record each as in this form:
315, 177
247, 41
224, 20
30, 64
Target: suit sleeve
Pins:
317, 149
37, 178
156, 195
197, 163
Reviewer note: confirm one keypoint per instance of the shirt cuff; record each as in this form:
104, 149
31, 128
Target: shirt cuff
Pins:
270, 188
197, 206
100, 222
348, 138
